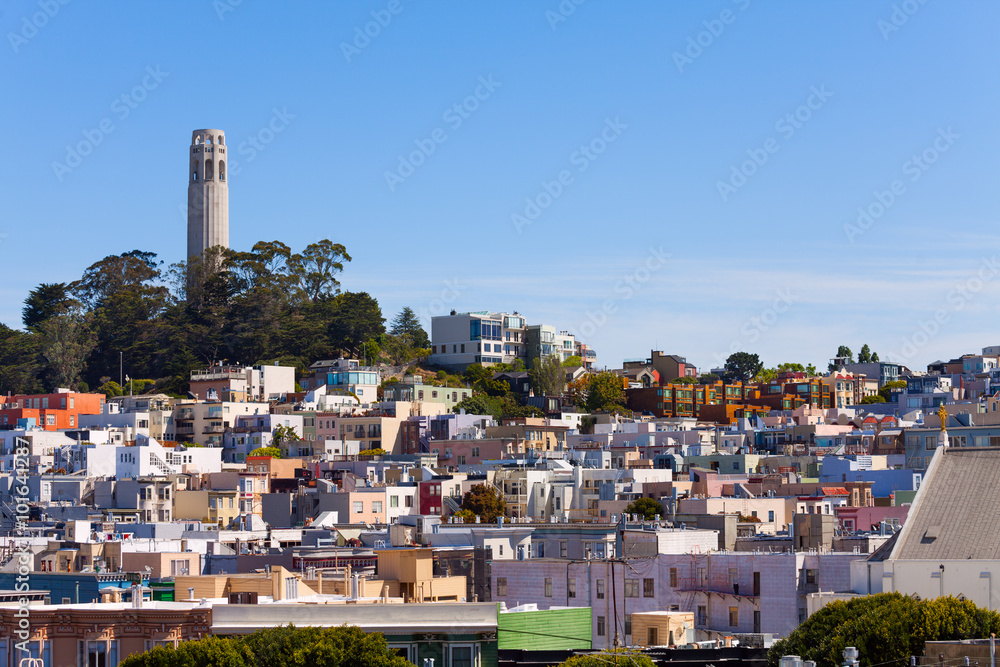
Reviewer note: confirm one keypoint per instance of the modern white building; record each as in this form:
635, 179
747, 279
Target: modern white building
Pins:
149, 458
250, 432
480, 337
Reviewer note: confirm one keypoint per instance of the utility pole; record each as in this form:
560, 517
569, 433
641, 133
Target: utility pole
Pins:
614, 606
121, 369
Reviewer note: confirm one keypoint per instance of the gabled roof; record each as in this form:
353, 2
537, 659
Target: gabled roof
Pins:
954, 513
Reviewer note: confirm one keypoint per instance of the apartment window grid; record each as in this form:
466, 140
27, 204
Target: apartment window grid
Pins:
631, 588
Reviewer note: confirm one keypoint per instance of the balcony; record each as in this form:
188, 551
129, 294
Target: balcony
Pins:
214, 429
219, 373
718, 586
185, 414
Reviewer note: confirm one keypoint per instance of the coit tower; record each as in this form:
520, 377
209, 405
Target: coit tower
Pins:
208, 192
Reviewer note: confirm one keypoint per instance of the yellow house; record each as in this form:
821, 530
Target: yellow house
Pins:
213, 506
413, 571
662, 628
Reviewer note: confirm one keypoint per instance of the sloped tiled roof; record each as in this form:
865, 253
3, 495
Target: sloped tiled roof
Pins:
954, 515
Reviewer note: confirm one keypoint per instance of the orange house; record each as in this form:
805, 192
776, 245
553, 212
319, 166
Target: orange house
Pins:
52, 412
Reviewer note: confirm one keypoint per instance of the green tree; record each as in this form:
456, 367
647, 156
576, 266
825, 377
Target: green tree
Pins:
605, 392
742, 366
886, 390
342, 646
406, 325
45, 301
111, 389
708, 378
485, 502
573, 361
356, 318
620, 657
19, 367
865, 355
887, 627
868, 400
467, 516
283, 436
126, 296
548, 377
377, 451
66, 341
647, 507
313, 270
684, 380
766, 374
273, 452
789, 367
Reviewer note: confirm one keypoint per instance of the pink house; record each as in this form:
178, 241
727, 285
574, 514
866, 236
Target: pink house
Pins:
857, 519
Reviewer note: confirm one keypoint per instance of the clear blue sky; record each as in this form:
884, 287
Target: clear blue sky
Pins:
764, 264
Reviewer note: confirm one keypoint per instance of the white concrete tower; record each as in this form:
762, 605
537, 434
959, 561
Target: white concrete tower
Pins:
208, 192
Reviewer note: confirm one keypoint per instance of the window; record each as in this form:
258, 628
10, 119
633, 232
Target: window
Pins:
734, 575
571, 588
734, 616
99, 653
393, 501
701, 618
601, 629
377, 506
647, 588
600, 589
812, 576
548, 584
652, 638
673, 577
408, 501
502, 586
39, 650
770, 516
461, 656
562, 548
359, 506
631, 588
628, 624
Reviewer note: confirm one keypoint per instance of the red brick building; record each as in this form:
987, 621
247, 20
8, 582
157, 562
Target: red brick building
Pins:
52, 412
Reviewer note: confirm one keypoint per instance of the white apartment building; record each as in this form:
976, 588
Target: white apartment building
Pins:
480, 337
